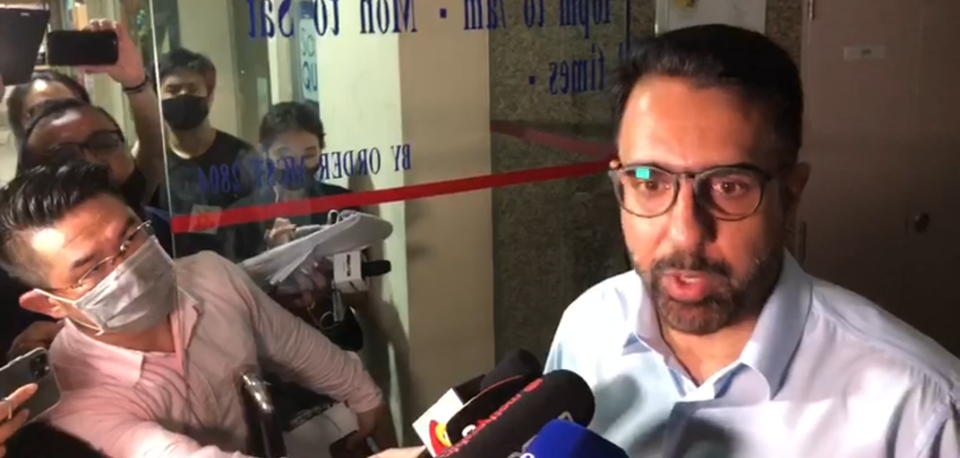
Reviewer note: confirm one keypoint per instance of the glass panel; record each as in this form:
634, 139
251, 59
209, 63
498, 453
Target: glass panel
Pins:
416, 99
478, 131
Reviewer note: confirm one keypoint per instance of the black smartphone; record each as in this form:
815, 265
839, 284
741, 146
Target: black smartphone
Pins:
33, 367
72, 48
21, 33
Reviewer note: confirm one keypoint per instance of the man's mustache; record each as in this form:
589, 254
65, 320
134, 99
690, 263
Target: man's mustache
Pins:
697, 262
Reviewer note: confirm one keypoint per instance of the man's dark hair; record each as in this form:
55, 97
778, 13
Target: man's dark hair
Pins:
724, 56
290, 117
185, 60
46, 112
15, 102
37, 199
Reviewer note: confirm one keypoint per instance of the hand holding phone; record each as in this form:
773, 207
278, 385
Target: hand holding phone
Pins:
31, 368
21, 33
12, 422
127, 69
75, 48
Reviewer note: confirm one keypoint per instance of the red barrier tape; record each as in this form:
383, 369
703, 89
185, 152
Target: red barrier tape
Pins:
204, 221
553, 140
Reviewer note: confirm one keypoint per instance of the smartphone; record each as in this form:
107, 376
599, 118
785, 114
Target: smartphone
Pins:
33, 367
71, 48
21, 33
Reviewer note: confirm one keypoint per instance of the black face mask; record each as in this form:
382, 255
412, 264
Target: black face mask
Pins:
295, 182
185, 112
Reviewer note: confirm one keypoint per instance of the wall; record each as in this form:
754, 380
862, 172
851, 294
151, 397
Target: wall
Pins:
555, 240
445, 101
206, 27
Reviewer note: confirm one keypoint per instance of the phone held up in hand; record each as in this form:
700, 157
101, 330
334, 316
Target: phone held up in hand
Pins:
73, 48
21, 33
33, 367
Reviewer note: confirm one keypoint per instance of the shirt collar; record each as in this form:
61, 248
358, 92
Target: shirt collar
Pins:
774, 340
117, 363
780, 327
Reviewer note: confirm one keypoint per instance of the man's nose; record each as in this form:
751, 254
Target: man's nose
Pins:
690, 224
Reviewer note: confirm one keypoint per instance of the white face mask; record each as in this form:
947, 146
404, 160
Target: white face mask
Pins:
137, 295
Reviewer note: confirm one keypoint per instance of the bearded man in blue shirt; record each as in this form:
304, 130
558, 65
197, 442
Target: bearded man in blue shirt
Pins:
719, 344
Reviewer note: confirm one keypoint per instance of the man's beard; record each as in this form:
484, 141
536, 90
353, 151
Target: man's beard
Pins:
735, 300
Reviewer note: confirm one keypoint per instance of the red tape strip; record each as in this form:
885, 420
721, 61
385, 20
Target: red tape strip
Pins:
553, 140
204, 221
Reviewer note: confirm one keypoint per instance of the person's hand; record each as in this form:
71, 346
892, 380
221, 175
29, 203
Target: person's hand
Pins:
129, 70
375, 424
10, 423
411, 452
281, 232
39, 334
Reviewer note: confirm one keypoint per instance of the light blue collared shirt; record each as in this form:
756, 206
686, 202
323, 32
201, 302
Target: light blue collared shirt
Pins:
826, 374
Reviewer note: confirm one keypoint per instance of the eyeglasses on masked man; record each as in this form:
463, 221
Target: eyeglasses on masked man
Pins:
68, 233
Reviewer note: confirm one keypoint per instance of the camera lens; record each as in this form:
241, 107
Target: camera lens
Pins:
39, 367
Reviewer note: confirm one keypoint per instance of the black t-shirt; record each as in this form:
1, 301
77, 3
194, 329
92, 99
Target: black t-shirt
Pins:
210, 182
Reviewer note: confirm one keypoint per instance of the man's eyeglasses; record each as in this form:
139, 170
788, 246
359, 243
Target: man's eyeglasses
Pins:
729, 193
132, 240
99, 145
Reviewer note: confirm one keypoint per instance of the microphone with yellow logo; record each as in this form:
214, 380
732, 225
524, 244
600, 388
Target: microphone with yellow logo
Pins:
432, 426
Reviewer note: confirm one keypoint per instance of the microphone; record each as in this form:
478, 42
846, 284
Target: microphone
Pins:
559, 394
514, 372
563, 439
518, 362
375, 268
482, 406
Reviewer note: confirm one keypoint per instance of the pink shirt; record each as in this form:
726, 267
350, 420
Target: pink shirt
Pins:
132, 404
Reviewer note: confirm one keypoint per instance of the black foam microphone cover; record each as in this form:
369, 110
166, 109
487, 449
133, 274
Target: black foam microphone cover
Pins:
483, 405
558, 394
518, 362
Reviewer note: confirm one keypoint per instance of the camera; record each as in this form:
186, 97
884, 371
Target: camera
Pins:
39, 367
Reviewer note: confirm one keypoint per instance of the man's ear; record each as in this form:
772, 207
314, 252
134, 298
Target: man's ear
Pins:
37, 302
614, 163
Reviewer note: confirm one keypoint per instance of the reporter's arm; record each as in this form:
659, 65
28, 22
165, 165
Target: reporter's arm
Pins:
39, 334
301, 354
130, 73
149, 150
112, 426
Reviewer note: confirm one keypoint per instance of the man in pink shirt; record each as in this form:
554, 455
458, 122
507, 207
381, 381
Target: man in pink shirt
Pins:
152, 349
